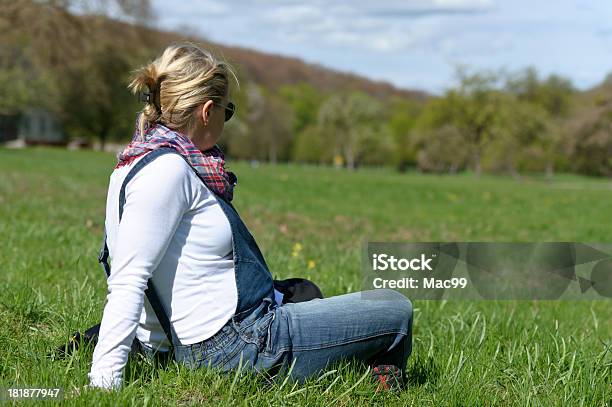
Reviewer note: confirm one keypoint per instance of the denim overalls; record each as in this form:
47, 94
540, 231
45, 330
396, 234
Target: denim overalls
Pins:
372, 326
254, 281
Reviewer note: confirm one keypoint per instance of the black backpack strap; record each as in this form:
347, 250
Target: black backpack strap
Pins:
150, 292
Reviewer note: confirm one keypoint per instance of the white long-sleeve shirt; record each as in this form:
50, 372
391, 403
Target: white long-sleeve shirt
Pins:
174, 230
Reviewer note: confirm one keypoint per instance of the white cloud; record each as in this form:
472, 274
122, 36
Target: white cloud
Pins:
340, 25
412, 42
200, 7
294, 14
383, 26
463, 3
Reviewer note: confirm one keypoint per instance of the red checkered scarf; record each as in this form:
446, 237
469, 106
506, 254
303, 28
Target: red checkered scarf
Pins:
209, 165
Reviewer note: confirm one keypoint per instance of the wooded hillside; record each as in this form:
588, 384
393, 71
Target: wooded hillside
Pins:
77, 66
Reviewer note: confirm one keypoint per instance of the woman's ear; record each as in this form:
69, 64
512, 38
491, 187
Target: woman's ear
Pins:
206, 111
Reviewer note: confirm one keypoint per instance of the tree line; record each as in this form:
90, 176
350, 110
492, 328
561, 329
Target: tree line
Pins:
491, 121
77, 67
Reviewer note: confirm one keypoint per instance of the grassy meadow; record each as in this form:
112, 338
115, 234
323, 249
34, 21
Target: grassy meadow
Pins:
311, 221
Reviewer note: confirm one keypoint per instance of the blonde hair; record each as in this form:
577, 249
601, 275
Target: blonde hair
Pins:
182, 78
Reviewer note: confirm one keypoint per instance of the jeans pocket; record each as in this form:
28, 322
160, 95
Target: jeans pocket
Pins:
263, 331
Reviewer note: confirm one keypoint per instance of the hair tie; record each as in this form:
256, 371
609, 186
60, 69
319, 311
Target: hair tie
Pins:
149, 97
145, 97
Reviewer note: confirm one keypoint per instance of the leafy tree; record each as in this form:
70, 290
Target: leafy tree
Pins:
72, 66
592, 151
267, 131
305, 101
474, 106
440, 149
589, 146
553, 94
96, 101
403, 116
38, 40
275, 128
311, 146
554, 97
353, 123
521, 137
469, 110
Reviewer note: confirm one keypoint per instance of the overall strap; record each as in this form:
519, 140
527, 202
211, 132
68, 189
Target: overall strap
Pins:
150, 292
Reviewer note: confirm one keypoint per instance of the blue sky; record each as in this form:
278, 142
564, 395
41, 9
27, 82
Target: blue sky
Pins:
413, 44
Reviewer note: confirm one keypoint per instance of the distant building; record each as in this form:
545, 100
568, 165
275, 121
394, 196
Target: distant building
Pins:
34, 126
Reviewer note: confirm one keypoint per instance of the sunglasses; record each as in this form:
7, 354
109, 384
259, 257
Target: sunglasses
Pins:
230, 109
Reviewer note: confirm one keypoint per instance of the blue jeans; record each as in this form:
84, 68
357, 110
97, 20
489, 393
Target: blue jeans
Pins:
374, 327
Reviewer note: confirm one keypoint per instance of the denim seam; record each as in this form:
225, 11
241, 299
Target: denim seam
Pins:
261, 329
268, 338
344, 342
230, 356
269, 353
242, 328
219, 344
203, 355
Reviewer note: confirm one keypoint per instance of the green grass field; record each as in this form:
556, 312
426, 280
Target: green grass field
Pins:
311, 222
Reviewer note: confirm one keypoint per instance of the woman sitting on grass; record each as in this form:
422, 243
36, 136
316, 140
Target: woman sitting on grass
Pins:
209, 283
